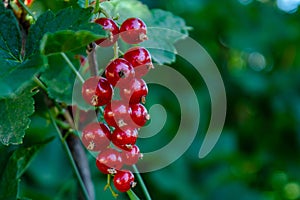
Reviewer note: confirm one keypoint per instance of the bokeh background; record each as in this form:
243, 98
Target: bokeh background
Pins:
256, 46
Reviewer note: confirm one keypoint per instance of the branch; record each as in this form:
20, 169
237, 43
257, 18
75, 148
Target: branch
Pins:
91, 52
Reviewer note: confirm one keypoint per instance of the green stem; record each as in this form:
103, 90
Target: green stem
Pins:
72, 66
116, 50
27, 10
39, 83
104, 12
96, 6
69, 154
139, 177
132, 195
86, 3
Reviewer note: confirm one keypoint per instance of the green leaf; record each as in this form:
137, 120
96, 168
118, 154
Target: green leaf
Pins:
67, 19
10, 36
16, 75
59, 78
15, 167
164, 29
64, 41
126, 9
15, 71
14, 117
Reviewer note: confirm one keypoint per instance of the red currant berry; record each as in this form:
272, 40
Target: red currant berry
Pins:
139, 114
95, 136
119, 71
124, 180
117, 114
133, 31
110, 26
140, 59
135, 91
124, 138
97, 91
131, 156
109, 161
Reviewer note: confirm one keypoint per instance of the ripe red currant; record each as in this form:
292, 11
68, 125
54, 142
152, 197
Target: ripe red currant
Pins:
117, 114
135, 91
133, 31
140, 59
124, 138
95, 136
124, 180
109, 161
110, 26
131, 157
97, 91
119, 71
139, 114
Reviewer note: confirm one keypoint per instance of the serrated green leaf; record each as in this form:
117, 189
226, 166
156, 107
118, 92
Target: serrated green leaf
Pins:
59, 78
164, 29
16, 75
14, 117
10, 36
15, 167
126, 9
64, 41
67, 19
15, 71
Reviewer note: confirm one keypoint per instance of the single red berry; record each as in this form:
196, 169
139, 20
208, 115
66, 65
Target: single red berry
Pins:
135, 91
119, 71
97, 91
124, 180
113, 29
117, 114
124, 138
95, 136
140, 59
133, 31
131, 157
139, 114
109, 161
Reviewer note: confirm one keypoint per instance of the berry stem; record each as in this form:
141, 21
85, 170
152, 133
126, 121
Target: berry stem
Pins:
72, 66
132, 195
116, 50
115, 195
70, 157
140, 179
27, 10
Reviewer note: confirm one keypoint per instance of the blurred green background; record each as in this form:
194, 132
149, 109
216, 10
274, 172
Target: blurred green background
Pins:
255, 45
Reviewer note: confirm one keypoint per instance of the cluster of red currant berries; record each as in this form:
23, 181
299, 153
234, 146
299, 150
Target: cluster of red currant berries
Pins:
115, 139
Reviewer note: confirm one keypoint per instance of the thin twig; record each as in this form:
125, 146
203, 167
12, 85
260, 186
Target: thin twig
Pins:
70, 157
91, 52
74, 147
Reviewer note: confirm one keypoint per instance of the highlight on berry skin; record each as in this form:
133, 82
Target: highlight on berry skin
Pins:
133, 31
113, 32
97, 91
